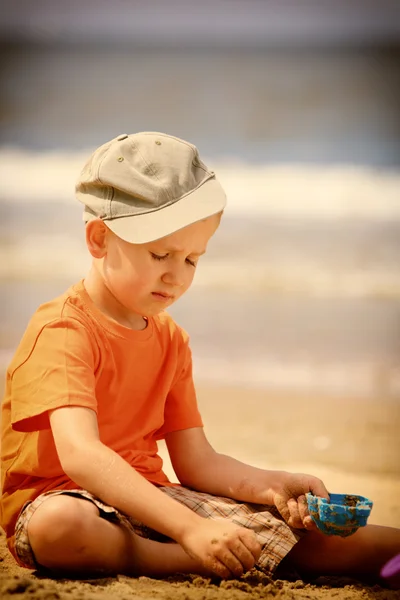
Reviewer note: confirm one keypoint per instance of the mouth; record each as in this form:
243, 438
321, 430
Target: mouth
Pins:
162, 296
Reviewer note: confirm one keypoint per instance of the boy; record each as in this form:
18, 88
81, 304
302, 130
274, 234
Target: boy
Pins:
103, 372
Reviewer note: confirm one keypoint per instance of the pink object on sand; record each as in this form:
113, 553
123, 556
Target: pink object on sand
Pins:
391, 571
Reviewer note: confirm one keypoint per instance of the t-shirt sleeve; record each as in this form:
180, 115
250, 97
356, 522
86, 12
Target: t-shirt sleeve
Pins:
58, 369
181, 410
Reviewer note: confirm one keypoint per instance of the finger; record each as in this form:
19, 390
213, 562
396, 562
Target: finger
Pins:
303, 507
249, 539
281, 504
308, 523
229, 560
217, 567
295, 519
318, 488
244, 556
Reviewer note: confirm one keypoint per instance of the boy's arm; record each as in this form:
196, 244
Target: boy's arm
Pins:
221, 547
199, 466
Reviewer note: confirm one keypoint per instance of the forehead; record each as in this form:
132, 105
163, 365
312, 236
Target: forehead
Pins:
194, 235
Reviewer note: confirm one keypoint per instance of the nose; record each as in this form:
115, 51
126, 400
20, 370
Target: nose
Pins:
174, 276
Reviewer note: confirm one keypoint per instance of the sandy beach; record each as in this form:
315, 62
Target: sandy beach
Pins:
351, 443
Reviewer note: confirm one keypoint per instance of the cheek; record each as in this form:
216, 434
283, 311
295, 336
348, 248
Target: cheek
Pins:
119, 269
189, 277
113, 259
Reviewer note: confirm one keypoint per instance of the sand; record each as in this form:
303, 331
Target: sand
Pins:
353, 445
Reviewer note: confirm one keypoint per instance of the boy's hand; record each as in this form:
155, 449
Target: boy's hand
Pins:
222, 547
290, 499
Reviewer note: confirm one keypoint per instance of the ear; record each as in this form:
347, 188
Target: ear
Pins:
96, 238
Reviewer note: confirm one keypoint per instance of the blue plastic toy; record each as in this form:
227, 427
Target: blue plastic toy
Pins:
342, 515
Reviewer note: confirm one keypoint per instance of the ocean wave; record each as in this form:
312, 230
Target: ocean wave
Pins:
66, 257
287, 191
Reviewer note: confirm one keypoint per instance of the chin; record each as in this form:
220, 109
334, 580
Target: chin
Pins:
153, 312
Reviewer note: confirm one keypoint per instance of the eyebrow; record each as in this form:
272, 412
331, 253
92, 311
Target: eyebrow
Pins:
168, 250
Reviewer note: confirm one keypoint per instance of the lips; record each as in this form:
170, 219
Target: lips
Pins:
162, 295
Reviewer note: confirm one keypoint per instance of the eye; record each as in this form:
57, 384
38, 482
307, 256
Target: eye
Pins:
191, 262
158, 257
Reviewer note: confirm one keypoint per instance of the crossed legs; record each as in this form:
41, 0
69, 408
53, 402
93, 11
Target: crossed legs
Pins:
68, 535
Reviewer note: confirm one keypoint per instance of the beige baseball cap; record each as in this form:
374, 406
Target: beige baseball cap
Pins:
147, 185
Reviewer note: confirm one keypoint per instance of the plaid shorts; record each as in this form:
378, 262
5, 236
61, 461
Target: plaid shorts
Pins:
274, 535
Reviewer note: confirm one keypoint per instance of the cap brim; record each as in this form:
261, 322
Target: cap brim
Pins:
207, 200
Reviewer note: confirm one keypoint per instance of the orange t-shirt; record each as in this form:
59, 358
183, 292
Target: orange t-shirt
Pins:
138, 382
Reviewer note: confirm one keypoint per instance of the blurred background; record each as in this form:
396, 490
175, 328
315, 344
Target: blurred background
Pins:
294, 104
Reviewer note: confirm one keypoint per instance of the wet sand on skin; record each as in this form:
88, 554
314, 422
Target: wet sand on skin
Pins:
352, 445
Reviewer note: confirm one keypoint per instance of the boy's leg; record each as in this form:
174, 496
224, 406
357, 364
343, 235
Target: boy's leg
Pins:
361, 554
67, 535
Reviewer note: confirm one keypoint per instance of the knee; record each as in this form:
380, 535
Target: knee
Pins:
57, 523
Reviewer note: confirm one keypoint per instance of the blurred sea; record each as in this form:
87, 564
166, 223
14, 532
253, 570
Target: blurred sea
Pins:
299, 291
300, 288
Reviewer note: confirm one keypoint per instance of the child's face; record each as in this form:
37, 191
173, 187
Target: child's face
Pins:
146, 278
